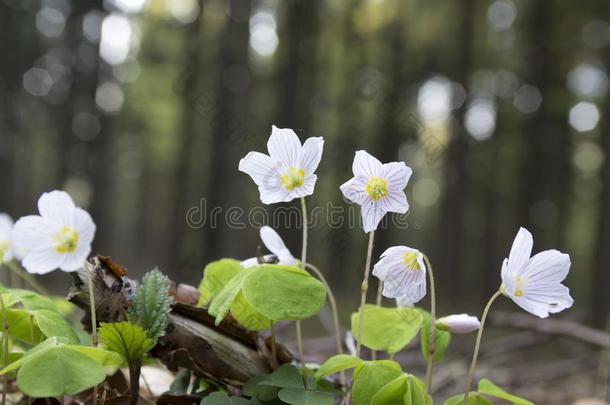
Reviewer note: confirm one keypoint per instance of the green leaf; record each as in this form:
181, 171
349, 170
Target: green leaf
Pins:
151, 304
336, 364
52, 324
221, 304
221, 398
49, 343
488, 388
473, 399
247, 316
129, 340
284, 292
392, 393
387, 329
370, 377
110, 360
301, 396
416, 392
59, 371
286, 376
22, 326
253, 388
215, 276
32, 301
443, 338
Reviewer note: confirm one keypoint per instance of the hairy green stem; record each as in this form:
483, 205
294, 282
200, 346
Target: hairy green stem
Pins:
15, 269
363, 290
432, 331
477, 345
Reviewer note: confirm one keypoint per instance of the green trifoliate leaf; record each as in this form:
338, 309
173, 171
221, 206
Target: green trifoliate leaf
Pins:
387, 329
486, 387
473, 399
151, 304
284, 292
31, 300
221, 304
336, 364
215, 276
221, 398
129, 340
286, 376
301, 396
443, 338
405, 390
370, 377
52, 324
247, 316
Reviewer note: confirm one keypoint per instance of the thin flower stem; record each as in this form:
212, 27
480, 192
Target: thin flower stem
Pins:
303, 261
25, 276
477, 345
273, 346
5, 347
363, 290
333, 306
432, 332
378, 302
92, 308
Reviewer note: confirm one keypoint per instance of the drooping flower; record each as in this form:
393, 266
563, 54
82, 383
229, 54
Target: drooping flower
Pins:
378, 188
534, 283
59, 238
276, 245
6, 245
288, 172
403, 272
459, 324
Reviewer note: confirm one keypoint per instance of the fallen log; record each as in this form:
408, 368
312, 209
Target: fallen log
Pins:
226, 354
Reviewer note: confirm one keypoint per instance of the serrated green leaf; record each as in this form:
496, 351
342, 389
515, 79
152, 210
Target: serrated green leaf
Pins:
221, 304
370, 377
247, 316
486, 387
301, 396
151, 304
129, 340
336, 364
443, 339
387, 329
215, 276
284, 292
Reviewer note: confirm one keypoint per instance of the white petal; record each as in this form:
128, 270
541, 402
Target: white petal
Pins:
366, 165
544, 298
262, 168
355, 190
372, 214
547, 266
306, 189
459, 324
396, 251
284, 146
312, 154
75, 261
6, 224
57, 206
520, 252
415, 294
397, 174
404, 302
43, 261
272, 195
84, 226
34, 233
395, 201
275, 244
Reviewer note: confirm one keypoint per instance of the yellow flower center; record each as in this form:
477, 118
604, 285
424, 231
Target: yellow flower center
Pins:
66, 241
377, 188
410, 261
294, 178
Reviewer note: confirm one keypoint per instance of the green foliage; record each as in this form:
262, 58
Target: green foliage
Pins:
221, 398
53, 368
336, 364
32, 326
221, 304
443, 338
216, 275
52, 324
387, 329
487, 388
247, 316
129, 340
284, 292
300, 396
370, 377
151, 304
405, 390
474, 398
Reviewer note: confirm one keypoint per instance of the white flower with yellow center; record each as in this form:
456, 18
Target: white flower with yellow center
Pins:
534, 283
378, 188
403, 273
459, 324
276, 245
288, 172
6, 231
59, 238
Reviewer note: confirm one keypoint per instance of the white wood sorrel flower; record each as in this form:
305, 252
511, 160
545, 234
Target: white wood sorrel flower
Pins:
534, 283
459, 324
59, 238
403, 272
288, 171
378, 188
276, 245
6, 231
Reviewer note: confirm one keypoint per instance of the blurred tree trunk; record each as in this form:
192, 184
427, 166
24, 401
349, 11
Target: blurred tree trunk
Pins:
455, 192
232, 110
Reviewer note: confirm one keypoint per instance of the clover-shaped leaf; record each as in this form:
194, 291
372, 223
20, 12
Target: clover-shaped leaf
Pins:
370, 377
215, 276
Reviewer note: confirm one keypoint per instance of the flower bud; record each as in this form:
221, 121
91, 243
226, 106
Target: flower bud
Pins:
458, 324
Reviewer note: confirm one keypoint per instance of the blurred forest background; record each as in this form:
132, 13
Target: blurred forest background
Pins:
142, 110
